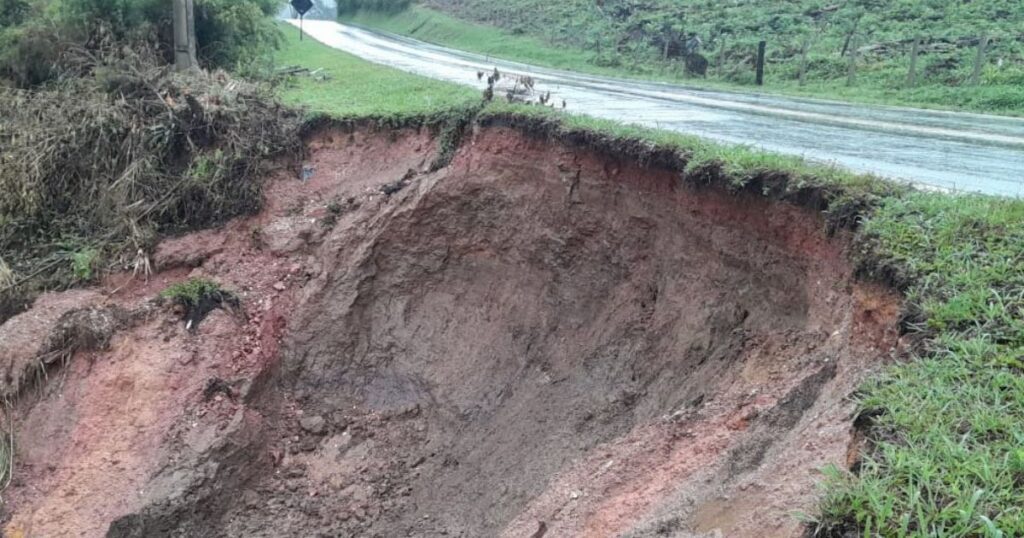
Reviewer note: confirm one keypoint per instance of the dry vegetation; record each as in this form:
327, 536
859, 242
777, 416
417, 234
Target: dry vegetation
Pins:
121, 149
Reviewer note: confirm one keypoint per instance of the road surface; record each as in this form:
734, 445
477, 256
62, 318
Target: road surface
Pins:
945, 150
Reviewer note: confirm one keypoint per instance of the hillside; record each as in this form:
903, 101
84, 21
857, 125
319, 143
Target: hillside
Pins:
649, 38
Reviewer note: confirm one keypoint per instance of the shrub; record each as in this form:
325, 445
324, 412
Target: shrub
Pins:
121, 149
229, 33
198, 297
13, 12
383, 6
84, 262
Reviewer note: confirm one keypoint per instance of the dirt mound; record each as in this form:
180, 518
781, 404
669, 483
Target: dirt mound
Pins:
535, 340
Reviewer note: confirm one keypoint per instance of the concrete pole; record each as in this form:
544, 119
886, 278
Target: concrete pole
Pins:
184, 35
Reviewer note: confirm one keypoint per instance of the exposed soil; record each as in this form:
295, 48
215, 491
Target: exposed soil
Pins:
535, 340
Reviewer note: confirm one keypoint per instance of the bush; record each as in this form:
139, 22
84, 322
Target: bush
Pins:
29, 54
230, 33
197, 297
382, 6
13, 12
123, 149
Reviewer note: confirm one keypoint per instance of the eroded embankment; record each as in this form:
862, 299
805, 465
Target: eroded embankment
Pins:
538, 339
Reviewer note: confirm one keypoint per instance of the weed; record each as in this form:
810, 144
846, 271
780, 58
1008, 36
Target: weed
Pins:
7, 278
198, 297
84, 263
334, 210
6, 455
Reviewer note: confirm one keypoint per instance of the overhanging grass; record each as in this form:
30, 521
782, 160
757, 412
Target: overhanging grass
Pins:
357, 88
947, 453
738, 163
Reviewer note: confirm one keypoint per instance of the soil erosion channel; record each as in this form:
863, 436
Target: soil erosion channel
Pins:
536, 339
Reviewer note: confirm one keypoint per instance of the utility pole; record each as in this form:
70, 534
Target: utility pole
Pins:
184, 36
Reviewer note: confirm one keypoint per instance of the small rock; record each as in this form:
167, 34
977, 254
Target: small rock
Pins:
313, 424
295, 472
280, 286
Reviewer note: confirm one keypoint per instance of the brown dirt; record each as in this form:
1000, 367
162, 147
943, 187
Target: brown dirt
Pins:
535, 340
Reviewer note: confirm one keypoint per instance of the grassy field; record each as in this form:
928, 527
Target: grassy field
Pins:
947, 426
357, 88
880, 79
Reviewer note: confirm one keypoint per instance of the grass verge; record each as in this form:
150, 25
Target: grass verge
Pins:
356, 88
947, 427
880, 85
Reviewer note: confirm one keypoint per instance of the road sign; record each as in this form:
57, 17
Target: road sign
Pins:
302, 6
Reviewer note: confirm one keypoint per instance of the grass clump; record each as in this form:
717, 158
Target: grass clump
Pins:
6, 458
197, 297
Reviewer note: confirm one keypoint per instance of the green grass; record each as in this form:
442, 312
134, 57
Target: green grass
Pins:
357, 88
198, 297
192, 291
947, 437
440, 28
949, 452
546, 40
84, 263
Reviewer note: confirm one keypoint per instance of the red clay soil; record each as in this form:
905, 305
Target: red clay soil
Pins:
535, 340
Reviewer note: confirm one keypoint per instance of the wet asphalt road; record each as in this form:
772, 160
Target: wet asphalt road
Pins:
970, 152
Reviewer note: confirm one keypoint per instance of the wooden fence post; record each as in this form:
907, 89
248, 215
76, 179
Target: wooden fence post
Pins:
912, 72
721, 58
851, 70
760, 62
803, 60
979, 61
